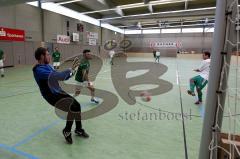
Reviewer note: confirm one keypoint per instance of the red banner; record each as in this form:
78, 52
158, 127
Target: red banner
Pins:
12, 34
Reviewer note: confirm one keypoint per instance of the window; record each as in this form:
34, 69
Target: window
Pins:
209, 30
133, 31
171, 30
152, 31
192, 30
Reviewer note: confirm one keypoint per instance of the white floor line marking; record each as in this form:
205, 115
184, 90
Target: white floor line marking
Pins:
177, 77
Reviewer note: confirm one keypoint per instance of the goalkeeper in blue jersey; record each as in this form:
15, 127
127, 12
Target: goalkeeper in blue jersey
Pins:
47, 79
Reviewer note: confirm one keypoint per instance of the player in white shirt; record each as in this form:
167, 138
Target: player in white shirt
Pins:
111, 55
157, 56
2, 59
201, 80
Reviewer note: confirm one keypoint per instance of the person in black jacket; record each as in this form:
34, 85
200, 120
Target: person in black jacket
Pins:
154, 54
47, 79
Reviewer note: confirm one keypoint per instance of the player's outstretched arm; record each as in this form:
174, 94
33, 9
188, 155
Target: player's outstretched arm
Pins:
197, 70
61, 76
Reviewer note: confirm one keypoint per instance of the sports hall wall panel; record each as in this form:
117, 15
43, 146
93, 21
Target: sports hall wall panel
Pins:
28, 18
19, 53
7, 15
190, 42
53, 25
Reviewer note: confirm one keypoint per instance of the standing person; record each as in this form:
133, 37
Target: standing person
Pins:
201, 80
111, 55
154, 54
47, 79
82, 76
157, 56
2, 59
56, 58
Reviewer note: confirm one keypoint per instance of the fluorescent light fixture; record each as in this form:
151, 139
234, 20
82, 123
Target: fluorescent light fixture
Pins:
35, 3
68, 12
131, 5
50, 6
66, 2
133, 32
151, 31
166, 1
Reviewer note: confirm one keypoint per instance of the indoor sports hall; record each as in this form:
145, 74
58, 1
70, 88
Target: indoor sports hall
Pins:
132, 79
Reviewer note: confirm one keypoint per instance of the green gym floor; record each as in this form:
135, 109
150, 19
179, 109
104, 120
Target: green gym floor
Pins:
30, 128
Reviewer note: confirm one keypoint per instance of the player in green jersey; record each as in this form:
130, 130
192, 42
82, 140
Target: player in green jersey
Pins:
82, 76
56, 58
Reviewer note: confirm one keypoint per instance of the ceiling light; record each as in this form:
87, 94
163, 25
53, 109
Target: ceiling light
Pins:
66, 2
74, 14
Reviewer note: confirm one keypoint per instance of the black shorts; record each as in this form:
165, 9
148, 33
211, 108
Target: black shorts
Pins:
64, 102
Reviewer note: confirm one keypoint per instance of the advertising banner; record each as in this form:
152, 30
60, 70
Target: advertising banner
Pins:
12, 34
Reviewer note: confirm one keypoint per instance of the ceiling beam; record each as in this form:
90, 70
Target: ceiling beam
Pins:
186, 4
119, 11
79, 8
167, 16
76, 7
136, 5
209, 10
150, 8
112, 5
